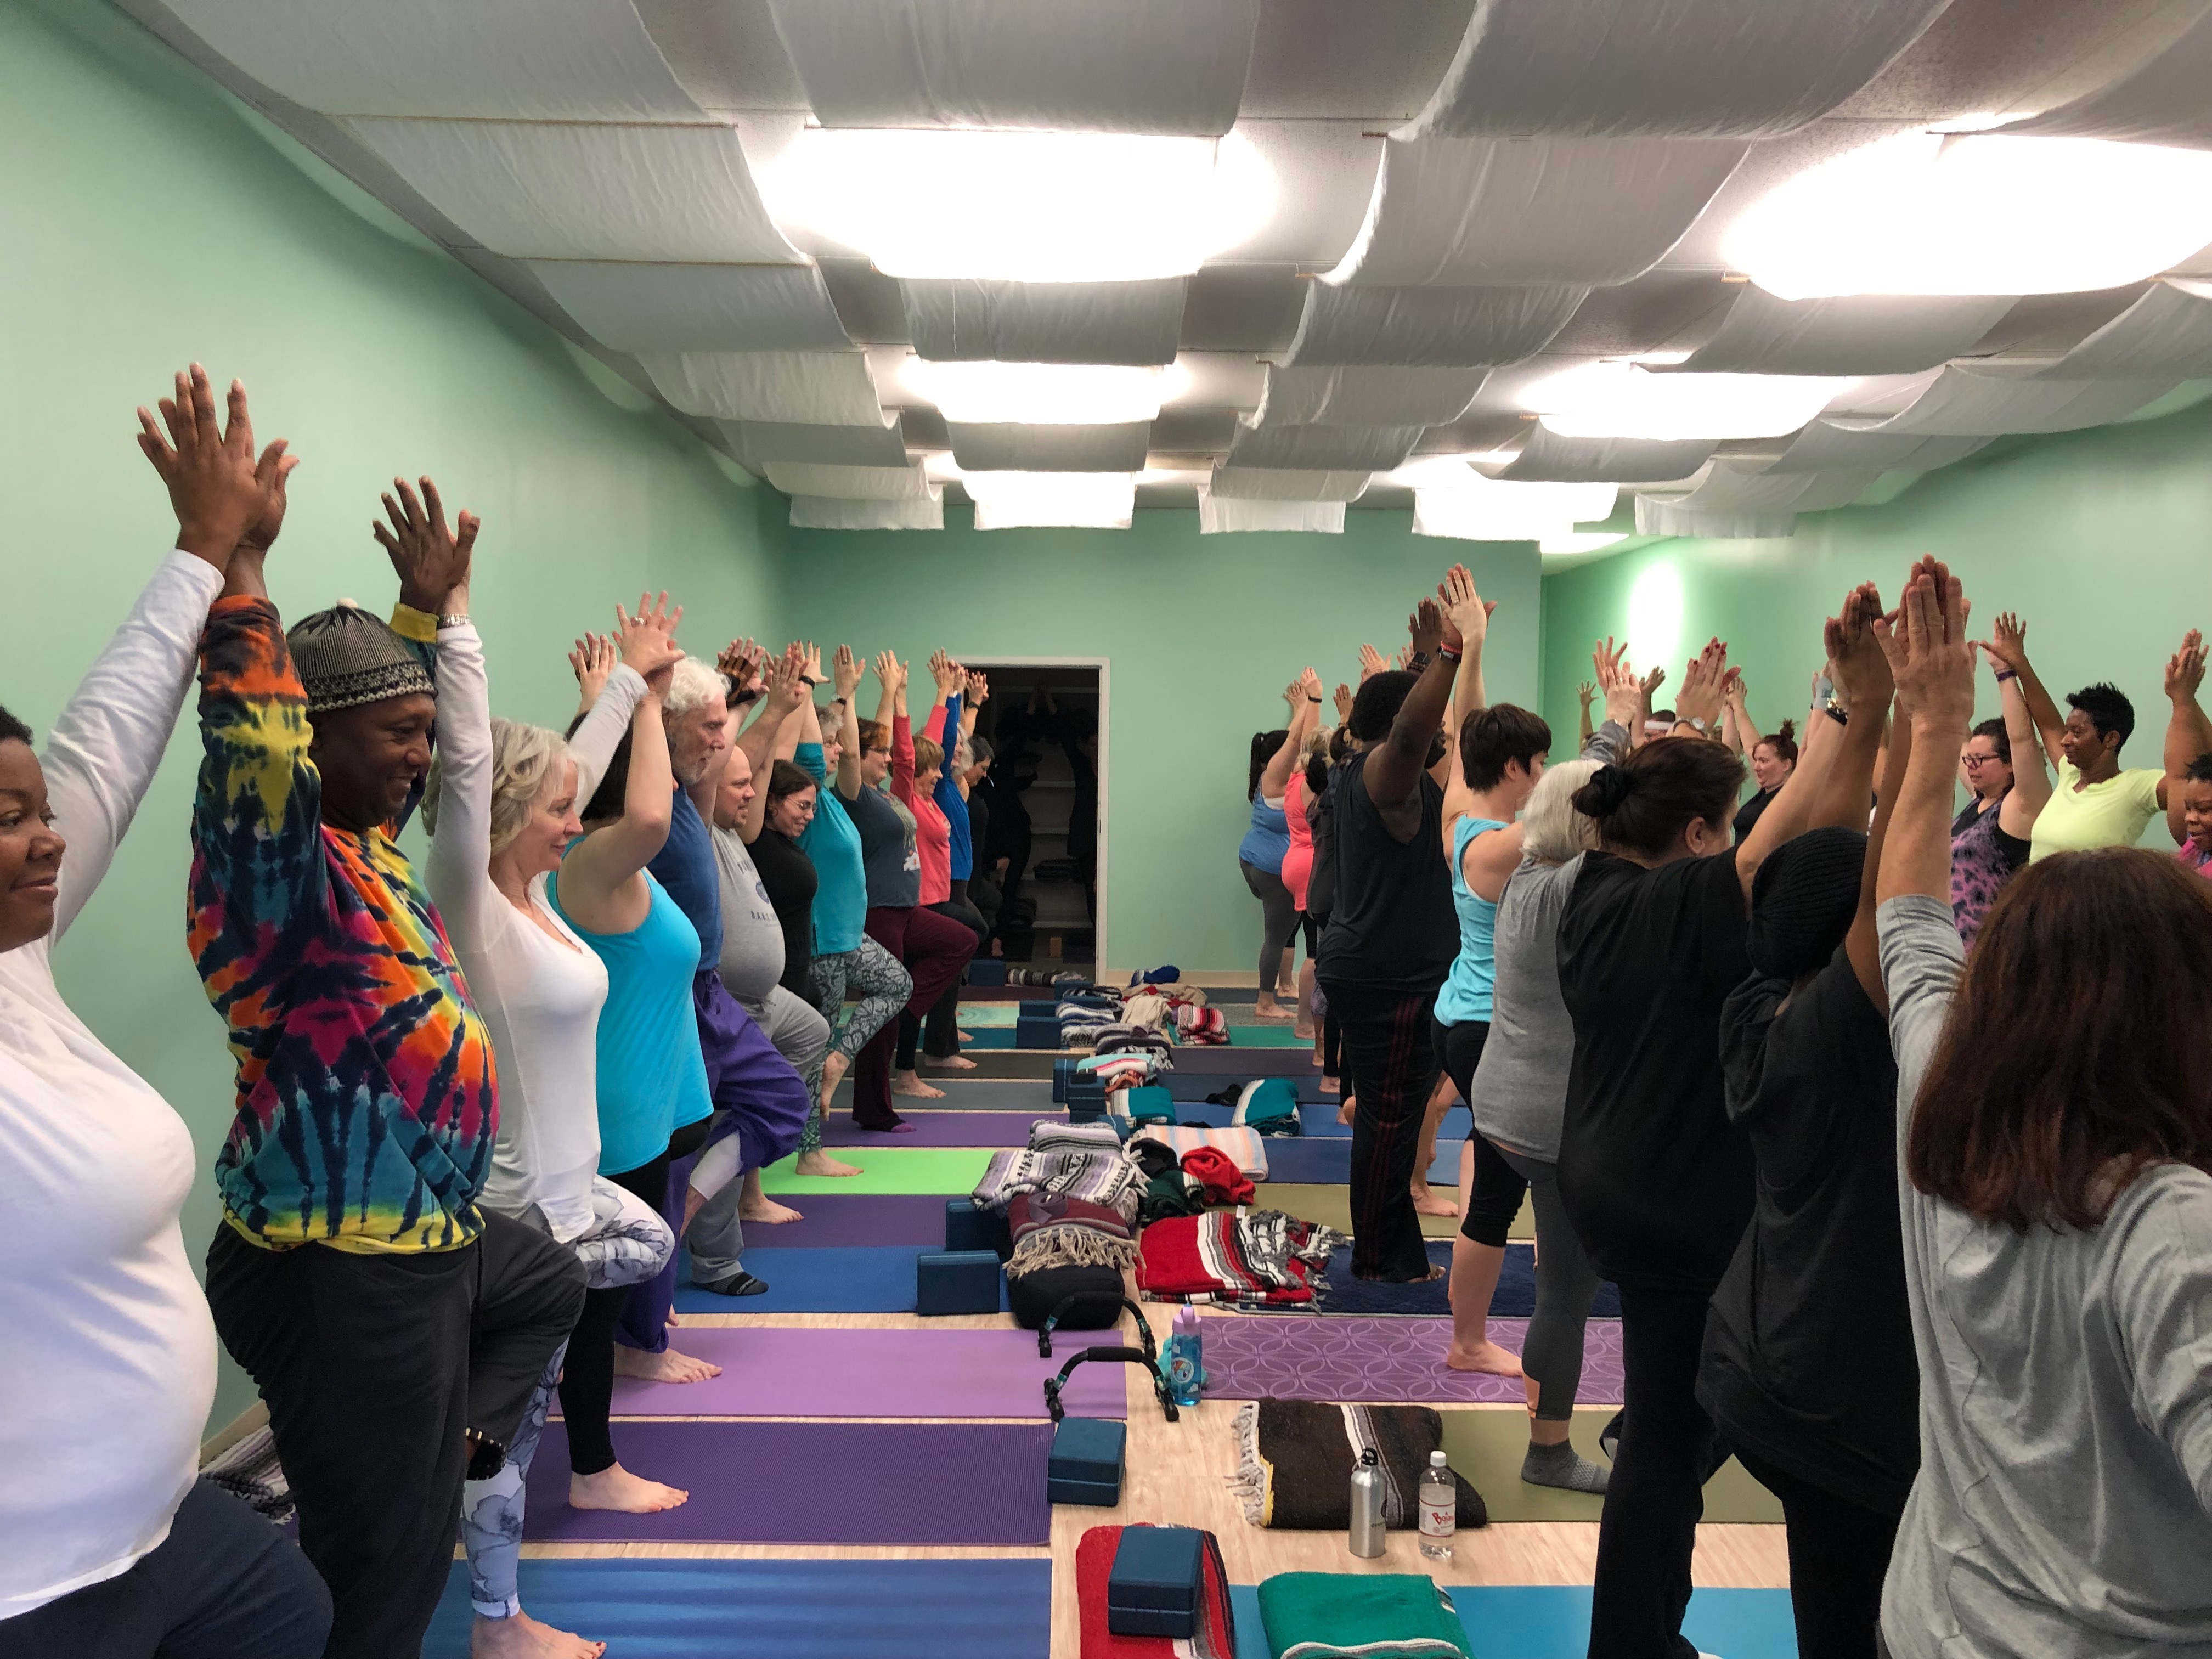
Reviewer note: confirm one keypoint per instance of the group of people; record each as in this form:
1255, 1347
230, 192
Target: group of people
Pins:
464, 1093
1938, 1277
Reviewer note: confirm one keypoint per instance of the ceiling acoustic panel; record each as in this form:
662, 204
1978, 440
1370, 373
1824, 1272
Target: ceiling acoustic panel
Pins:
1251, 309
1366, 395
1254, 483
852, 484
1144, 66
2161, 99
538, 191
1663, 69
1986, 402
1823, 447
1013, 447
804, 388
1228, 515
723, 53
1325, 448
504, 60
1483, 212
965, 319
1322, 176
835, 513
1376, 61
635, 306
758, 442
1428, 327
1547, 458
1862, 334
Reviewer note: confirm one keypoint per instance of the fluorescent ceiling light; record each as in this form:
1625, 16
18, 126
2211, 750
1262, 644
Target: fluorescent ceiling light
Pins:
1004, 501
1579, 541
1029, 207
1927, 213
1474, 508
1622, 400
1042, 394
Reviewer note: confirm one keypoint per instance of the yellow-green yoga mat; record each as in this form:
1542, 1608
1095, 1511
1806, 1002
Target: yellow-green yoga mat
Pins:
952, 1170
1485, 1444
1331, 1205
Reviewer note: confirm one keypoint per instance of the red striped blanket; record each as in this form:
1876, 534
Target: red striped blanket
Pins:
1234, 1256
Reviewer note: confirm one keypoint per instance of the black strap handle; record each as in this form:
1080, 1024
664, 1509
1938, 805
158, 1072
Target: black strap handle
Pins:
1052, 1319
1122, 1356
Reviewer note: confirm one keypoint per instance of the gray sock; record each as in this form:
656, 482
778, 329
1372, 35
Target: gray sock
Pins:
1563, 1466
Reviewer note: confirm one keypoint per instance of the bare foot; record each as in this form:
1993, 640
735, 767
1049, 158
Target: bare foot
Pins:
1330, 1085
524, 1637
1303, 1029
906, 1083
821, 1163
767, 1210
666, 1366
950, 1062
833, 1074
1346, 1113
1426, 1202
1485, 1356
1268, 1008
965, 1036
615, 1487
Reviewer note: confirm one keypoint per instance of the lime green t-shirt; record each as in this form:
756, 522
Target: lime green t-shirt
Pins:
2108, 814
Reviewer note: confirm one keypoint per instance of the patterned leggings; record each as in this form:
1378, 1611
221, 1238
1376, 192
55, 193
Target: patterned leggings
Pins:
626, 1245
882, 985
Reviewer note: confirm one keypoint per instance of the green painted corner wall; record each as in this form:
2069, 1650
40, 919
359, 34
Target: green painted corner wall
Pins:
148, 223
2102, 540
1201, 634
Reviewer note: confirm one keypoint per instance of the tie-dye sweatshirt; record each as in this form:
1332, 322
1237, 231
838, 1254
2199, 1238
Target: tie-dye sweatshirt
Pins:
367, 1107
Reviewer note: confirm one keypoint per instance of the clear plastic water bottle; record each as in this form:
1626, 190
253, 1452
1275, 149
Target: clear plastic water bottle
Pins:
1184, 1362
1439, 1509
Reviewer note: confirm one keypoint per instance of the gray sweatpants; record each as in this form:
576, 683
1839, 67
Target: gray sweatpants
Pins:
716, 1237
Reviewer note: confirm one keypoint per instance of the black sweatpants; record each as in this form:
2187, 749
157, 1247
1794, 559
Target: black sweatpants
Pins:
1668, 1449
1840, 1552
1391, 1066
224, 1584
375, 1368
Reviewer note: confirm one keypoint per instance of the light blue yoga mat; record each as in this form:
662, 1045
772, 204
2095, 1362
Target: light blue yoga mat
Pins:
789, 1609
1551, 1621
849, 1279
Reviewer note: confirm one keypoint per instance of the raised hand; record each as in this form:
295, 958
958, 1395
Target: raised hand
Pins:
593, 660
845, 671
1424, 629
1926, 647
1856, 661
978, 689
786, 682
945, 671
887, 670
220, 492
1466, 613
811, 663
1343, 702
1308, 688
738, 661
1699, 698
2008, 641
2184, 670
1294, 693
1586, 694
1732, 687
432, 561
648, 640
1652, 681
1370, 663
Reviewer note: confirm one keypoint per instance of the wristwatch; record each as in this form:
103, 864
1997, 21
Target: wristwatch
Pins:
1836, 711
1692, 719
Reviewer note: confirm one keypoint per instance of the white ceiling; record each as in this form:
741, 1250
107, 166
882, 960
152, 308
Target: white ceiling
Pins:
1467, 200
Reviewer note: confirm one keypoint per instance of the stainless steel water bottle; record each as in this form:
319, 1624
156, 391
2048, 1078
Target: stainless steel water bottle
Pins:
1369, 1537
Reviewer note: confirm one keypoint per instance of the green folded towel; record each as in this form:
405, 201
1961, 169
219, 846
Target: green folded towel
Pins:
1345, 1615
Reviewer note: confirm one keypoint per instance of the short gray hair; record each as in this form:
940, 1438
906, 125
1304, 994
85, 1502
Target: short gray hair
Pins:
523, 759
691, 685
1552, 831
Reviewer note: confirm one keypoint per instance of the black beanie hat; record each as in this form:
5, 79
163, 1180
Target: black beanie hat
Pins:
1803, 899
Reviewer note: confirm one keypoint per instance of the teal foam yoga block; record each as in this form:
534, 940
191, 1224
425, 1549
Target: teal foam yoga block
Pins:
956, 1282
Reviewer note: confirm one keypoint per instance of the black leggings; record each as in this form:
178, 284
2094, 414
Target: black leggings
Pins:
588, 1374
1838, 1554
1279, 920
1312, 929
1392, 1067
1495, 1199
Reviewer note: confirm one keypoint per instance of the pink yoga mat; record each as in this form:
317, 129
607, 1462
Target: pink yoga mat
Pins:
812, 1482
1353, 1359
770, 1370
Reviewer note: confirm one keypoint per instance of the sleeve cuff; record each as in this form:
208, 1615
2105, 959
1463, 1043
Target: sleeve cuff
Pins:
412, 624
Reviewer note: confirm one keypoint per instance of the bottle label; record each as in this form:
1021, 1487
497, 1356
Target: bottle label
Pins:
1438, 1520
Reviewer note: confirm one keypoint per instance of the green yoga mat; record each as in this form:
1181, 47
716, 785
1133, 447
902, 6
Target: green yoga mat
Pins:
1266, 1036
1487, 1445
1331, 1205
952, 1170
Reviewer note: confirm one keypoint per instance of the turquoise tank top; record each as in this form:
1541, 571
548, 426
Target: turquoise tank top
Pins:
653, 1079
1466, 994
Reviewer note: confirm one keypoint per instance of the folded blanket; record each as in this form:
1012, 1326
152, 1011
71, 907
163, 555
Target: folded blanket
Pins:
1243, 1146
1342, 1615
1096, 1176
1067, 1232
1295, 1459
1197, 1023
1126, 1039
1128, 1071
1051, 1135
1237, 1257
1216, 1638
1217, 1174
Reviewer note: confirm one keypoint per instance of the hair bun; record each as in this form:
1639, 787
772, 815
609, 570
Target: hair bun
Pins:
1786, 731
1606, 791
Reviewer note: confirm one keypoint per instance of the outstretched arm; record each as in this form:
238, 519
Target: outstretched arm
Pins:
2188, 734
2007, 644
1393, 772
1303, 695
2031, 779
1624, 698
787, 690
1932, 660
847, 669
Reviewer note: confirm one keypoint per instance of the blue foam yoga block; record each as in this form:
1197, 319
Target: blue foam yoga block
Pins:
987, 970
956, 1282
1036, 1031
1153, 1588
1086, 1464
967, 1229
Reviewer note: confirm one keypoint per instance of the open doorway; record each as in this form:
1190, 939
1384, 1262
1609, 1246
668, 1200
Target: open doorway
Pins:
1044, 801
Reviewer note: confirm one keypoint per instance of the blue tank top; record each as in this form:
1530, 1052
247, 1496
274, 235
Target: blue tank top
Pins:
1267, 842
685, 867
653, 1079
1466, 994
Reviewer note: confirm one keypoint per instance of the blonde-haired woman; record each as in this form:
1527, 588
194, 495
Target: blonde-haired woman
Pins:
501, 811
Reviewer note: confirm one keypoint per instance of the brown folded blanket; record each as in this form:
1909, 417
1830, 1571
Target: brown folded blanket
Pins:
1295, 1459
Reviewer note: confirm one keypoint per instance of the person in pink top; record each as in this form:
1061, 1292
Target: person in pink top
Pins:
1297, 872
2189, 815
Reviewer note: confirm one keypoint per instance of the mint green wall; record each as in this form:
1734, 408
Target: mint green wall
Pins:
1202, 633
147, 223
2102, 540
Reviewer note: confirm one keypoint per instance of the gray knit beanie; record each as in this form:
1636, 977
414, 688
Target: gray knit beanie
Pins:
347, 657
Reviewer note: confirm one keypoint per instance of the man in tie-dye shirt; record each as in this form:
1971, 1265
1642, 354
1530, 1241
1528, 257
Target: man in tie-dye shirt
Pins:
395, 1329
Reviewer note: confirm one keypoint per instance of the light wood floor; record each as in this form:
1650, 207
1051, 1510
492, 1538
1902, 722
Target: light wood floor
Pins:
1176, 1475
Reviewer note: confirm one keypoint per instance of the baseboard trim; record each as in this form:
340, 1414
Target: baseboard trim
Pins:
253, 1417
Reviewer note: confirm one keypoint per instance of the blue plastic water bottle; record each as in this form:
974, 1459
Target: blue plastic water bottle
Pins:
1184, 1361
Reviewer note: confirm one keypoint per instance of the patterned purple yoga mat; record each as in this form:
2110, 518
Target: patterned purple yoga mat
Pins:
813, 1483
943, 1129
839, 1218
770, 1370
1353, 1359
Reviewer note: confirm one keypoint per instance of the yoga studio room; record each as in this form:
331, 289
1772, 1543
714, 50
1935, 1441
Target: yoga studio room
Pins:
648, 1025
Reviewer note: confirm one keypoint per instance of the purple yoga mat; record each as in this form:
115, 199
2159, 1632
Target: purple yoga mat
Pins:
1353, 1359
841, 1219
942, 1128
813, 1483
770, 1370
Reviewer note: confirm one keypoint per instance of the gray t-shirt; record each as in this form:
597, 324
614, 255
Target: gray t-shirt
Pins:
2064, 1501
752, 935
1520, 1082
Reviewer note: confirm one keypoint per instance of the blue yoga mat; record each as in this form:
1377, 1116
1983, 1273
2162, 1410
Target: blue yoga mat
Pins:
1551, 1621
1320, 1159
790, 1609
850, 1279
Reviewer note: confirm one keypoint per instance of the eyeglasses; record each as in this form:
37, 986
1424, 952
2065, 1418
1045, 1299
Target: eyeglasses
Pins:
1972, 761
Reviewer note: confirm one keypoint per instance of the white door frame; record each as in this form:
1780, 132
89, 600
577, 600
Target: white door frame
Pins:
1105, 667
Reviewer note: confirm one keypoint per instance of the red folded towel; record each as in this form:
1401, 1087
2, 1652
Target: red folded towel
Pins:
1233, 1257
1094, 1566
1217, 1172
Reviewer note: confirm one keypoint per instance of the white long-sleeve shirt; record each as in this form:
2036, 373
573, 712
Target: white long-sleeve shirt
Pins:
107, 1360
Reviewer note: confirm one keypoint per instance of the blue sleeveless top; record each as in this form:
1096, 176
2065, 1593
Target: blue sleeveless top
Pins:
1466, 994
1267, 842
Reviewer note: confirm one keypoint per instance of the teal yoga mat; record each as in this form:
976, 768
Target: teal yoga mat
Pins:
788, 1609
1551, 1621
